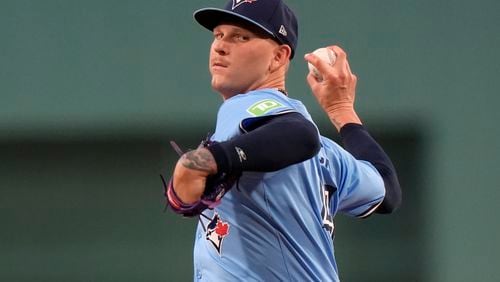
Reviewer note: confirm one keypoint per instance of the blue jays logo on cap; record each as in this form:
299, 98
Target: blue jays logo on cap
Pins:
236, 3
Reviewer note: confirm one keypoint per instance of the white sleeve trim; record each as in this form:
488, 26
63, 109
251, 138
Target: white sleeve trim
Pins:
371, 210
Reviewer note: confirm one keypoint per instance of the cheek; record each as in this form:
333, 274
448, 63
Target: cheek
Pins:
255, 62
211, 54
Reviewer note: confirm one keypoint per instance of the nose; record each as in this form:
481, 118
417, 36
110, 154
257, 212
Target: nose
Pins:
220, 47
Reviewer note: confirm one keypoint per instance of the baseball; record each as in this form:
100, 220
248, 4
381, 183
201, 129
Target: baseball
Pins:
326, 55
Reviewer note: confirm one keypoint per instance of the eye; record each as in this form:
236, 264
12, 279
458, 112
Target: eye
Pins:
218, 35
242, 37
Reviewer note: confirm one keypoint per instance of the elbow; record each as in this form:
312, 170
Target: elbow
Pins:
392, 200
390, 204
314, 146
311, 139
393, 195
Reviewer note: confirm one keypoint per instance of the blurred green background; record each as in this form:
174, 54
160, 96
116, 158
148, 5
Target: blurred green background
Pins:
92, 91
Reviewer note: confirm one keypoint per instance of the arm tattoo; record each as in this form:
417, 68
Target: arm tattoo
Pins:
198, 160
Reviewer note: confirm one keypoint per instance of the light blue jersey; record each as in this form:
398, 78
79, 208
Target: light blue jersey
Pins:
278, 226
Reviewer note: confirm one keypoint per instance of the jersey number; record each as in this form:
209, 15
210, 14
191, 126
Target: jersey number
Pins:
327, 192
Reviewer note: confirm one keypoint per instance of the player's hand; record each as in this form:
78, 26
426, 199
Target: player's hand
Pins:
337, 91
191, 172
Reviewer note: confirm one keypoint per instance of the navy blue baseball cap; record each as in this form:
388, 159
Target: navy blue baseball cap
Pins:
274, 17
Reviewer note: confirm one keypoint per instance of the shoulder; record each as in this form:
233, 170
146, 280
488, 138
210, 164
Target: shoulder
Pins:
258, 102
254, 104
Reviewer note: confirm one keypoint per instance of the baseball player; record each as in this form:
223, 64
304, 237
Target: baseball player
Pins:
267, 185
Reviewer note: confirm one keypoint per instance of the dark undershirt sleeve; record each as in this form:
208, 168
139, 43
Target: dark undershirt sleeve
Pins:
274, 143
362, 146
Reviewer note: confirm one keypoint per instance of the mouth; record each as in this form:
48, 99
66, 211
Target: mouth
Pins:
219, 65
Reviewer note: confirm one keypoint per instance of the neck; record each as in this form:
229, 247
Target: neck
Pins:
274, 79
278, 83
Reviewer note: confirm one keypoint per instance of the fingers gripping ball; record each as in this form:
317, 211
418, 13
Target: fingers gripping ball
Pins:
326, 55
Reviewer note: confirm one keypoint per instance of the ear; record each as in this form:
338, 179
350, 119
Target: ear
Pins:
281, 57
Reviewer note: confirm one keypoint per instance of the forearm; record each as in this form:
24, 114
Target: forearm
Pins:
282, 141
362, 146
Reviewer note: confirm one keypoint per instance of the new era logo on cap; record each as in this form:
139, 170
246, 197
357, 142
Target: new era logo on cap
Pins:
283, 30
236, 3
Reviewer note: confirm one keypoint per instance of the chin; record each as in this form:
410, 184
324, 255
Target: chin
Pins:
219, 82
224, 89
217, 85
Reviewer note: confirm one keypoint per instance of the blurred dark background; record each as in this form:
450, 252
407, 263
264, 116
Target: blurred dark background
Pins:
92, 92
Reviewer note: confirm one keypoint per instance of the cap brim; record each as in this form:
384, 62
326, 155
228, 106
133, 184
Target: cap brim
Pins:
212, 17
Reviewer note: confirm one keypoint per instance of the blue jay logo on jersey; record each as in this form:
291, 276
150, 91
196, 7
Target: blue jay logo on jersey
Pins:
264, 106
217, 230
236, 3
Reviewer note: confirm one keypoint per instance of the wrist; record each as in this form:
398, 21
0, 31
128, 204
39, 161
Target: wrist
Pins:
188, 183
187, 194
343, 116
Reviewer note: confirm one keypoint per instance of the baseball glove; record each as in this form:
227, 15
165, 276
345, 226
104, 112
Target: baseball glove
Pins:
216, 187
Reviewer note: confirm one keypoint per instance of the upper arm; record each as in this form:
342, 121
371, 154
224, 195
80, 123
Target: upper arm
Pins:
363, 146
360, 187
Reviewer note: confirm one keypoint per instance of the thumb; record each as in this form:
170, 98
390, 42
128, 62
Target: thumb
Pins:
322, 66
311, 80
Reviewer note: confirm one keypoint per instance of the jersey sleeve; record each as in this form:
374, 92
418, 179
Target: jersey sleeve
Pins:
360, 187
245, 112
263, 107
